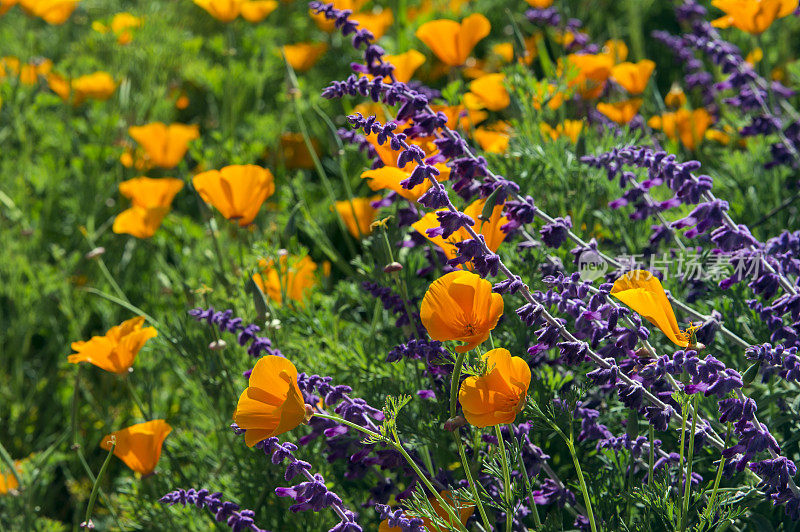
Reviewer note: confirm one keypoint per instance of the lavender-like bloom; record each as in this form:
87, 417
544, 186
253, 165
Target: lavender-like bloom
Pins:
224, 511
246, 334
551, 492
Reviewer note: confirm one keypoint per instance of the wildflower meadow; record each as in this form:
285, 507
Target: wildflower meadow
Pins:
443, 265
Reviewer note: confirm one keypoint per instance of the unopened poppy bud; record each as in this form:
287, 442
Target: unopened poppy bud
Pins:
392, 267
309, 414
454, 423
96, 252
218, 345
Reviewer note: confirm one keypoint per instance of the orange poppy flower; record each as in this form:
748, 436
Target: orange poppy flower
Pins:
29, 73
540, 4
9, 65
117, 349
620, 112
405, 64
496, 397
547, 93
687, 126
464, 513
237, 191
97, 86
222, 10
165, 144
616, 49
390, 177
570, 129
54, 12
675, 98
643, 293
592, 73
488, 92
294, 151
151, 202
139, 446
8, 482
752, 16
304, 55
293, 277
489, 229
5, 5
377, 23
452, 42
358, 215
492, 139
461, 306
633, 77
272, 403
460, 117
257, 10
328, 25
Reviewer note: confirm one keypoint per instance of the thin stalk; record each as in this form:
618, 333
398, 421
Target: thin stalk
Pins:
684, 413
587, 501
688, 484
96, 486
506, 476
136, 399
537, 523
715, 489
651, 460
10, 464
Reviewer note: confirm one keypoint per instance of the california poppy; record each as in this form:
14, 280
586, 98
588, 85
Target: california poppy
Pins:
620, 112
120, 26
139, 446
294, 150
304, 55
54, 12
540, 4
464, 513
151, 202
490, 229
642, 292
592, 72
461, 306
165, 144
293, 277
452, 42
460, 117
633, 77
8, 482
617, 49
687, 126
570, 129
496, 397
752, 16
29, 73
257, 10
5, 5
492, 139
488, 92
222, 10
97, 86
358, 224
376, 23
675, 98
328, 25
547, 93
272, 403
237, 191
405, 64
117, 349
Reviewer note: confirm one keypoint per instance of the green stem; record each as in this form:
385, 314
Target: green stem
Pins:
688, 486
685, 409
506, 476
96, 486
652, 458
537, 523
136, 399
454, 382
104, 269
712, 500
10, 464
586, 500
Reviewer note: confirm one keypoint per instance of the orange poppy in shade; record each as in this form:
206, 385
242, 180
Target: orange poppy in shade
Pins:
304, 55
687, 126
165, 144
643, 293
616, 49
258, 10
675, 98
489, 229
494, 138
570, 129
97, 86
29, 73
752, 16
117, 349
461, 306
633, 77
222, 10
293, 277
620, 112
358, 215
237, 191
151, 202
376, 23
592, 73
540, 4
405, 64
496, 397
139, 446
488, 92
272, 403
8, 482
452, 42
464, 513
54, 12
294, 151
